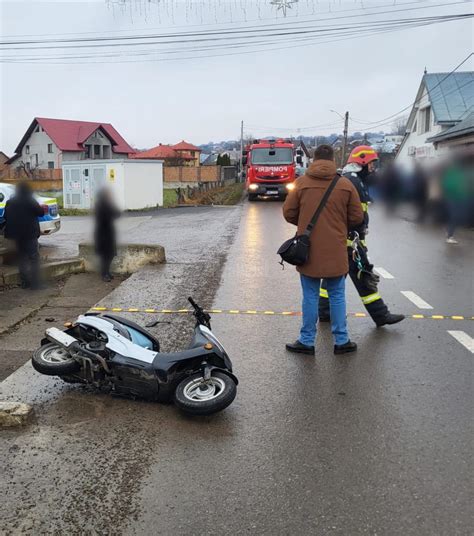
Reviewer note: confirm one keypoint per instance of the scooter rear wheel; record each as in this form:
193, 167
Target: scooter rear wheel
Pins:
52, 360
198, 397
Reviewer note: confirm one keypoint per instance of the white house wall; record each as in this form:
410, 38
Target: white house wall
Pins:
38, 145
417, 140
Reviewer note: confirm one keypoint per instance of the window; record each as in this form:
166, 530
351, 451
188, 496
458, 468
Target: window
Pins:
88, 151
106, 149
425, 118
36, 160
37, 129
96, 150
27, 149
28, 166
50, 147
193, 153
50, 165
272, 157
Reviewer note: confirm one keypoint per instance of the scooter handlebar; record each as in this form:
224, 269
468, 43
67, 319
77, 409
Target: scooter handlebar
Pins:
193, 303
201, 316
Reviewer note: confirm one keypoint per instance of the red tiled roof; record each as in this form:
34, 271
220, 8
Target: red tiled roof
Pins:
70, 135
185, 146
162, 152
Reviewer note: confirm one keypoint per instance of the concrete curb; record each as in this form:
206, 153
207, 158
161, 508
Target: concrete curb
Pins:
14, 414
10, 275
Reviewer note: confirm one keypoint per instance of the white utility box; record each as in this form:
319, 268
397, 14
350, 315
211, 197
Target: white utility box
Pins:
135, 184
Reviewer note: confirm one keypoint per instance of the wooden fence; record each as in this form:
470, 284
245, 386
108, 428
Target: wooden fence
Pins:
40, 180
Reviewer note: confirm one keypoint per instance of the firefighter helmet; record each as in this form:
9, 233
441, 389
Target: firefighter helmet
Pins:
362, 154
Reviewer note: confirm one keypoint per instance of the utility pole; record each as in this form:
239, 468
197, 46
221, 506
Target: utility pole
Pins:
344, 145
241, 149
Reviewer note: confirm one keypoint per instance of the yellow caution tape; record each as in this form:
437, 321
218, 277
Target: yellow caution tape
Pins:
101, 309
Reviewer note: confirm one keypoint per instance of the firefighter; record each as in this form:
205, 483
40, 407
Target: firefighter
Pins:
359, 170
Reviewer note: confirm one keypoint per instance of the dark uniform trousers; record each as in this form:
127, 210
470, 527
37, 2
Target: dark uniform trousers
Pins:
372, 301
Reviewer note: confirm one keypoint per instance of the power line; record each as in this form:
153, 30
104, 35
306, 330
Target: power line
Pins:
416, 101
256, 30
263, 20
282, 38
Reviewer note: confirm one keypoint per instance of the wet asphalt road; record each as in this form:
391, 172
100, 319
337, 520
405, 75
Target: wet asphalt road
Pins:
373, 443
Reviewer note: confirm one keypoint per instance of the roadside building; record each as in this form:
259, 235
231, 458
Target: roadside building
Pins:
180, 154
303, 152
458, 137
47, 143
443, 100
3, 161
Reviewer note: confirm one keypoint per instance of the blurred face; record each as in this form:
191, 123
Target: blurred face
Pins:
371, 166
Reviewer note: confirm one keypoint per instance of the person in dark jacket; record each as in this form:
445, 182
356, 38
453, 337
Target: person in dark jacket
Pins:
21, 225
104, 234
359, 170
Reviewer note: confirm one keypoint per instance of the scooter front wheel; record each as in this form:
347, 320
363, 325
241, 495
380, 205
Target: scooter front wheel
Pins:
196, 396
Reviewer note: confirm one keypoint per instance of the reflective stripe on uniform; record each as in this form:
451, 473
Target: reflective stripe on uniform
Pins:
323, 293
365, 207
370, 298
349, 243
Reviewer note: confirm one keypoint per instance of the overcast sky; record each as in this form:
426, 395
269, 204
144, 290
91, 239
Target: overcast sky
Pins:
205, 98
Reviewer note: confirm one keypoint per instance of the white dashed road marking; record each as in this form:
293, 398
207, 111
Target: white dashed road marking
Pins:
464, 339
414, 298
383, 273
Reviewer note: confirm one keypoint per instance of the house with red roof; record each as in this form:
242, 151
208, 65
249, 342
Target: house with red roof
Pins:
180, 154
47, 143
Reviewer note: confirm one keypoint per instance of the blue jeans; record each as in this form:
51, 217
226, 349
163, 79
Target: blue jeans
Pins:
336, 287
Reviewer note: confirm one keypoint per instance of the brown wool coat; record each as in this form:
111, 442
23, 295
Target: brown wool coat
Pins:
328, 250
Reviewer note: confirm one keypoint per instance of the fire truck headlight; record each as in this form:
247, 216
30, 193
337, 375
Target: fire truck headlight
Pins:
290, 186
253, 187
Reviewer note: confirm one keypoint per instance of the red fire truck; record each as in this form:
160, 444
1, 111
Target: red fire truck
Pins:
270, 168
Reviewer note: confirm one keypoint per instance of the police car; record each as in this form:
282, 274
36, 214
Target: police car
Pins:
50, 222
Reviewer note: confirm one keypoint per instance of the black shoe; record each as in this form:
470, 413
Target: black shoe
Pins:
324, 318
389, 319
299, 348
346, 348
106, 278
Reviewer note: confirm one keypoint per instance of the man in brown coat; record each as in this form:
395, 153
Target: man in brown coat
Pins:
328, 250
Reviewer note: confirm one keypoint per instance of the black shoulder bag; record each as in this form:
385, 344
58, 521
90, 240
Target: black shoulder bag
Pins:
296, 250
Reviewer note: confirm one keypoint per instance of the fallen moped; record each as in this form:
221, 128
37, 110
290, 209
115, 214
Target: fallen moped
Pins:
112, 352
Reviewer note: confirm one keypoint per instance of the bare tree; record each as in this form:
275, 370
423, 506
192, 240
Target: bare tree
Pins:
399, 125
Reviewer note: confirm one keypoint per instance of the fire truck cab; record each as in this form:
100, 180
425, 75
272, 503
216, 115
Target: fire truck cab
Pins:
270, 168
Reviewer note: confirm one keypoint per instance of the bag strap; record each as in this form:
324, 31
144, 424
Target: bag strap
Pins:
323, 202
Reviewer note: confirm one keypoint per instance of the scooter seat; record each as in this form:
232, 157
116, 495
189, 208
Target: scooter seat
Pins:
138, 334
